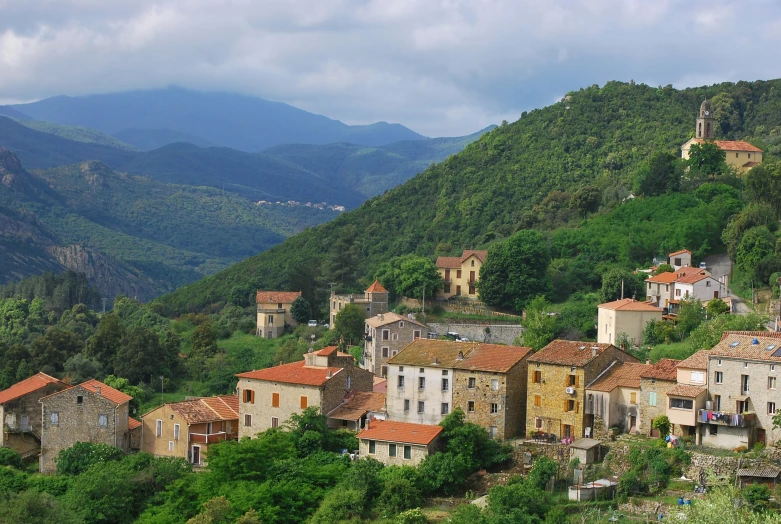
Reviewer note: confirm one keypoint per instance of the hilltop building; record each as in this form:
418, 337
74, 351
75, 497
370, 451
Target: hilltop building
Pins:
374, 301
627, 316
274, 312
386, 335
666, 290
460, 274
739, 154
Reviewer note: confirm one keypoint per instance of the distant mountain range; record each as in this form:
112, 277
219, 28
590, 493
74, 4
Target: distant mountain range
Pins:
153, 118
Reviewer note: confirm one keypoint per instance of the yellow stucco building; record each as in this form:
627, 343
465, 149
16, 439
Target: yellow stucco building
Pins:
460, 274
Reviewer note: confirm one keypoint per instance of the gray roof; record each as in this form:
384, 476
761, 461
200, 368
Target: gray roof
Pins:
585, 443
763, 470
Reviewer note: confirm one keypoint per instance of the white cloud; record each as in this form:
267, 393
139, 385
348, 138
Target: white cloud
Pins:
441, 67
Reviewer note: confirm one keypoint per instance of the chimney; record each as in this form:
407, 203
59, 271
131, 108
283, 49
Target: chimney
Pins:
97, 389
368, 420
436, 361
648, 361
460, 355
594, 351
379, 316
329, 374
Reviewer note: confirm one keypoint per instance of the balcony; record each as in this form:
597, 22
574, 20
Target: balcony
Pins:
17, 428
726, 418
270, 310
211, 438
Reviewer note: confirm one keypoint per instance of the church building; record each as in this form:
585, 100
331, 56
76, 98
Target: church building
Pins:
740, 155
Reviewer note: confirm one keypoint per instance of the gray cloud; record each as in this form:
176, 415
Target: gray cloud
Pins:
445, 67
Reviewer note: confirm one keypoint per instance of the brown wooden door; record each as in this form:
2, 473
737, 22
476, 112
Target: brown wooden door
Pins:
196, 454
761, 435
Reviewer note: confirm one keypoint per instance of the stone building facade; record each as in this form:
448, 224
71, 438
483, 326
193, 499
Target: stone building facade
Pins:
268, 397
386, 335
627, 316
557, 378
90, 412
655, 382
373, 302
20, 412
398, 443
273, 310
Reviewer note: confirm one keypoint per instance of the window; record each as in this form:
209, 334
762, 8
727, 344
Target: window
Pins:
170, 445
421, 382
415, 334
713, 429
391, 450
771, 382
744, 384
79, 399
538, 423
406, 404
719, 362
652, 398
271, 320
421, 406
408, 452
537, 401
393, 353
385, 352
349, 383
719, 377
445, 408
444, 372
698, 377
386, 334
249, 396
445, 384
54, 418
158, 428
275, 400
771, 408
447, 288
458, 273
102, 421
395, 336
772, 367
470, 406
177, 431
537, 377
494, 408
447, 274
742, 406
422, 370
717, 402
471, 383
681, 403
274, 422
737, 155
494, 384
247, 420
401, 324
745, 364
304, 402
633, 398
677, 292
570, 405
372, 447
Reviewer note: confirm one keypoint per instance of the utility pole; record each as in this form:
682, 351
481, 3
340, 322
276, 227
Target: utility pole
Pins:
622, 289
162, 389
424, 298
104, 305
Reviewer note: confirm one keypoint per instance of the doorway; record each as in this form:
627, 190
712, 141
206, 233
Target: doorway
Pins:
196, 454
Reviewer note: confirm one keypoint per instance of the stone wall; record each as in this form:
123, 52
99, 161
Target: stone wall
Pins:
498, 333
418, 453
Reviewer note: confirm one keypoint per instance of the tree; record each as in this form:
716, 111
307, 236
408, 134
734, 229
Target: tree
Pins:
763, 184
82, 455
140, 358
123, 385
664, 268
616, 280
757, 244
55, 347
349, 323
586, 199
662, 423
80, 368
717, 307
751, 216
417, 274
539, 327
515, 271
690, 315
707, 159
300, 310
659, 175
35, 507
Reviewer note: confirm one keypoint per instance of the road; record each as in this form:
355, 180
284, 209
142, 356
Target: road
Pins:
720, 265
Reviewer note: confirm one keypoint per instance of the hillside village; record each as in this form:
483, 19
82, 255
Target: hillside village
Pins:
393, 393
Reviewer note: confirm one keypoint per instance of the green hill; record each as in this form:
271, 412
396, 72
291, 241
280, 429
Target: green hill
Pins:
76, 133
507, 180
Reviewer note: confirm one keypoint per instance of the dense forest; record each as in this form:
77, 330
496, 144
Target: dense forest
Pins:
524, 175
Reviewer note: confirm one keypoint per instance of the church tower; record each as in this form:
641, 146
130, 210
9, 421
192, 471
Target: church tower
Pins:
705, 122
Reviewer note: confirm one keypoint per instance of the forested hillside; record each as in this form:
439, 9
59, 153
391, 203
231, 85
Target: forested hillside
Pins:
517, 176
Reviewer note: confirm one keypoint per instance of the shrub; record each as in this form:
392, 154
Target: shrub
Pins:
9, 457
412, 516
78, 458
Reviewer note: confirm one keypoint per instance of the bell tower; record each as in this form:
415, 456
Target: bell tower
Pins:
705, 123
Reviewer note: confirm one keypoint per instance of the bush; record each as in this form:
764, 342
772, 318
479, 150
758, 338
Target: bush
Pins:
9, 457
78, 458
412, 516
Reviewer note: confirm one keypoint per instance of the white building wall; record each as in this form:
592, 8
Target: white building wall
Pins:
431, 395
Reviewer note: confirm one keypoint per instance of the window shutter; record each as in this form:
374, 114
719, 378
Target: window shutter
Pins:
576, 406
252, 396
303, 402
577, 380
565, 406
275, 400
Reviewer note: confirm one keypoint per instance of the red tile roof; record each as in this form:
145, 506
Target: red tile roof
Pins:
376, 287
404, 432
572, 353
691, 278
132, 423
751, 164
460, 355
665, 369
733, 145
625, 375
107, 392
226, 406
743, 347
630, 304
492, 357
766, 334
328, 350
455, 262
358, 404
295, 373
210, 409
276, 297
697, 361
482, 255
668, 277
389, 318
28, 385
684, 390
681, 252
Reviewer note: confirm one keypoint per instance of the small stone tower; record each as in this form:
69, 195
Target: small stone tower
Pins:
705, 122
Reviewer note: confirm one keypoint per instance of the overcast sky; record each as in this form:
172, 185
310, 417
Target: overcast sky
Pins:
440, 67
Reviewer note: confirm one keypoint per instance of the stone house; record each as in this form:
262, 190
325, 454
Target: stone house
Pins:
386, 335
268, 397
689, 394
655, 381
20, 412
558, 374
660, 289
186, 429
679, 259
357, 408
627, 316
613, 398
489, 385
686, 283
90, 412
374, 301
460, 274
274, 315
398, 443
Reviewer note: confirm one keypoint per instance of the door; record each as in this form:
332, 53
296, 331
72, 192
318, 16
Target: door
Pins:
196, 454
761, 435
632, 422
715, 294
25, 423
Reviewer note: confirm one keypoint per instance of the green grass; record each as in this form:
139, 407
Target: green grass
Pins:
676, 350
261, 349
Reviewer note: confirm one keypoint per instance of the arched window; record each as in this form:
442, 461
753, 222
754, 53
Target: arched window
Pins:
699, 132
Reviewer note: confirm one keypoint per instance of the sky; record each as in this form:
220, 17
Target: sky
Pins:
440, 67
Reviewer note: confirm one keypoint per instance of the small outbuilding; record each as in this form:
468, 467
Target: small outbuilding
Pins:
587, 450
593, 490
767, 474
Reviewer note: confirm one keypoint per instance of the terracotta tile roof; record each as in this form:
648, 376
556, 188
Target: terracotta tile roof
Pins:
226, 406
681, 252
732, 145
685, 390
114, 395
482, 255
210, 409
28, 385
766, 334
571, 353
625, 375
697, 361
743, 347
492, 357
276, 297
691, 278
455, 262
295, 373
376, 287
358, 404
389, 318
132, 424
326, 351
768, 471
404, 432
459, 355
629, 304
667, 277
751, 164
665, 369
